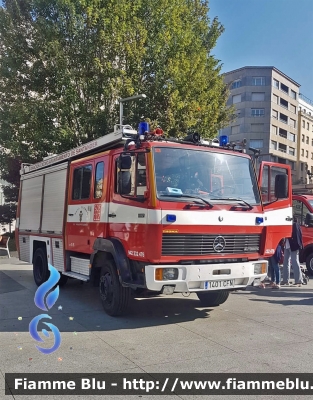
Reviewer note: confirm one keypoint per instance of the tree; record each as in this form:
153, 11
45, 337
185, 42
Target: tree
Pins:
7, 214
65, 63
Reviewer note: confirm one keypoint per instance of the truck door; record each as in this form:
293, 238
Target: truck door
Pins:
300, 210
128, 211
277, 204
87, 209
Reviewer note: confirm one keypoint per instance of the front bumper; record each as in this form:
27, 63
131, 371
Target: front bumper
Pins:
194, 278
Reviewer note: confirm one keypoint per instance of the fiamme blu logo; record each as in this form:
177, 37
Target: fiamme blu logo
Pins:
45, 298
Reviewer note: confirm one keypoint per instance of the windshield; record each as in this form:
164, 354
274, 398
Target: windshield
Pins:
210, 175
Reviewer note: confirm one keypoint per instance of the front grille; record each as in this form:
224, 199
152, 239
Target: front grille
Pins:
201, 245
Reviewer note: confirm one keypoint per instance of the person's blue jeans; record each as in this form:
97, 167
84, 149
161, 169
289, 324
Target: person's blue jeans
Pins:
275, 271
292, 256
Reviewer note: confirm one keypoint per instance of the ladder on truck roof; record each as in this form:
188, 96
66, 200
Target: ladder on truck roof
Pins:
104, 143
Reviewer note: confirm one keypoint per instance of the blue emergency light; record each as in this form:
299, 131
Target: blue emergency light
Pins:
170, 217
223, 140
143, 127
259, 220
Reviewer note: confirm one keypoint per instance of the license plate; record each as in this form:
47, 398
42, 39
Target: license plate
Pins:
219, 284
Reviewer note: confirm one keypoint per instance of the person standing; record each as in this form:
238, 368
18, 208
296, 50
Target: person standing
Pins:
274, 263
292, 247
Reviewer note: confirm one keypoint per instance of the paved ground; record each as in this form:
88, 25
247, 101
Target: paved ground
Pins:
254, 331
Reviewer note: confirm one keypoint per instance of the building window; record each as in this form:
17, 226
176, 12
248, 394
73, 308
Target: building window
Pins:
283, 103
273, 145
306, 153
291, 136
307, 140
237, 98
274, 130
303, 124
276, 83
292, 151
293, 94
257, 127
284, 88
312, 142
311, 156
275, 114
258, 81
258, 96
257, 112
275, 99
292, 164
302, 152
302, 138
293, 108
292, 122
256, 143
307, 126
236, 84
283, 133
282, 147
283, 118
235, 129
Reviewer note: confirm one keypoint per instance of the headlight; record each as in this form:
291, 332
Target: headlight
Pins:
260, 268
166, 274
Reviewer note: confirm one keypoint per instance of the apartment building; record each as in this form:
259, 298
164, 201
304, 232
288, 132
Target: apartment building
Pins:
266, 103
305, 141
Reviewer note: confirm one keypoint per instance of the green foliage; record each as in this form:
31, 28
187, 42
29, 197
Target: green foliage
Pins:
7, 213
65, 63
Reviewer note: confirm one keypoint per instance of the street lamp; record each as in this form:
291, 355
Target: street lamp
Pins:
138, 96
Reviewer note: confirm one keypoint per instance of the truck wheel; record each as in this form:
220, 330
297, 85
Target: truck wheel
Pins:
40, 267
309, 263
213, 299
114, 297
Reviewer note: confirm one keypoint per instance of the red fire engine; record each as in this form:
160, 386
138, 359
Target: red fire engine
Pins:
134, 211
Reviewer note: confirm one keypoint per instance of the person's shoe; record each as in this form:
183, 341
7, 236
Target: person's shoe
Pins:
277, 286
285, 284
299, 284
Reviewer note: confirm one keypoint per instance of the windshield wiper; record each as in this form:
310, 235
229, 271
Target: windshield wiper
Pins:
235, 199
189, 196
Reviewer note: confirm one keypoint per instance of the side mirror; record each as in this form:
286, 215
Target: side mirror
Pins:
124, 177
281, 186
309, 219
124, 161
124, 182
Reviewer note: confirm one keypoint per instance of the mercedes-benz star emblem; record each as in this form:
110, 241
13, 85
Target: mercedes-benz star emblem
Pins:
219, 244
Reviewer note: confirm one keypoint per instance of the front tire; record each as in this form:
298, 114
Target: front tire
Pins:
309, 263
213, 299
114, 297
40, 267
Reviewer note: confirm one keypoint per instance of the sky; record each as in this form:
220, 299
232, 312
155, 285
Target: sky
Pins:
276, 33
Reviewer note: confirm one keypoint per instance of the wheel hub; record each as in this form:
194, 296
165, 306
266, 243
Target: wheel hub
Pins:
106, 288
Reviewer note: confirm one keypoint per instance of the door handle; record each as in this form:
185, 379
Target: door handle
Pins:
70, 215
288, 218
112, 215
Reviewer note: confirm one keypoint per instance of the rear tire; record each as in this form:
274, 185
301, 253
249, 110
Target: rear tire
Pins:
309, 263
213, 299
40, 267
114, 297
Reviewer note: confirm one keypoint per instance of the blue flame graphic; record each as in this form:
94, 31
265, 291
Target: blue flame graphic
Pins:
34, 333
39, 300
44, 289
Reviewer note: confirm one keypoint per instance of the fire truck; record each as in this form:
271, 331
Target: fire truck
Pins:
303, 210
134, 212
